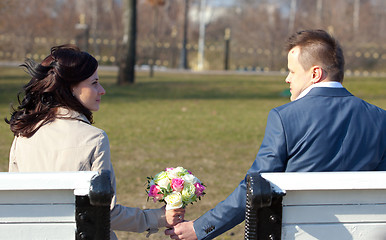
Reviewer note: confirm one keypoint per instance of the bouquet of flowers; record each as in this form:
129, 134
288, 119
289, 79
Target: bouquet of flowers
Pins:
177, 187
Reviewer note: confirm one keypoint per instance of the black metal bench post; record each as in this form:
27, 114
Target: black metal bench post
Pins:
93, 211
263, 210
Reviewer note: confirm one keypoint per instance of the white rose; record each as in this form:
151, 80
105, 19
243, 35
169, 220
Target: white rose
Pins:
188, 193
162, 179
180, 170
189, 178
172, 174
176, 172
164, 183
173, 201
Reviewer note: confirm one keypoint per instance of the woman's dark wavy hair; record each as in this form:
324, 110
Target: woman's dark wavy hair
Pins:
50, 88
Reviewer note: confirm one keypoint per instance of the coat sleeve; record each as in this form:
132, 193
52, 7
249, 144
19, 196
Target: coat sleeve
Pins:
136, 220
12, 157
230, 212
125, 218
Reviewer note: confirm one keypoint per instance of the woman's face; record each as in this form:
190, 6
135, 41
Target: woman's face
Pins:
89, 92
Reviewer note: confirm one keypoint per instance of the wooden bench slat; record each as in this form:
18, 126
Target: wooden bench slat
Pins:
327, 180
78, 181
310, 197
62, 231
334, 214
37, 196
37, 213
365, 231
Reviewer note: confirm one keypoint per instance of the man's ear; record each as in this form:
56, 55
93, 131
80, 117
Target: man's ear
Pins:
316, 74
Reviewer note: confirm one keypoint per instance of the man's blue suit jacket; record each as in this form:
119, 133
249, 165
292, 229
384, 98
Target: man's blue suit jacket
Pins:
329, 129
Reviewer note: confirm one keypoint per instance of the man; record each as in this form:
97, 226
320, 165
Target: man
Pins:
323, 128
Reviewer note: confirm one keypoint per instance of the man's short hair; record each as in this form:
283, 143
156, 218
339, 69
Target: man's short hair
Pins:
317, 47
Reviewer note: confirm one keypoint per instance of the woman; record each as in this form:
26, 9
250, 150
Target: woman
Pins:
53, 131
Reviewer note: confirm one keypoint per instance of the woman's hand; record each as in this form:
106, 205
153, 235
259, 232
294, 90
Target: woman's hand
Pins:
174, 216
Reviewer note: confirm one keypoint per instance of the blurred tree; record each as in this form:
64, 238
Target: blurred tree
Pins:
155, 5
126, 63
259, 27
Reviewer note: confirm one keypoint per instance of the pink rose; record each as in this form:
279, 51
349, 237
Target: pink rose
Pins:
177, 184
155, 192
199, 189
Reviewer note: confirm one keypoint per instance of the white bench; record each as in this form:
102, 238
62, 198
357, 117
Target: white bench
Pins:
324, 205
57, 205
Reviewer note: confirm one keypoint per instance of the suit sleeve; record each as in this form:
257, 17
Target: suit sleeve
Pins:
230, 212
273, 152
125, 218
382, 145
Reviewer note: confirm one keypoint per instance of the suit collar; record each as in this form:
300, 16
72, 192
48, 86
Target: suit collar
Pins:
331, 84
328, 91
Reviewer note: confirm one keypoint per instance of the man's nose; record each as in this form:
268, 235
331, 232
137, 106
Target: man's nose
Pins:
287, 79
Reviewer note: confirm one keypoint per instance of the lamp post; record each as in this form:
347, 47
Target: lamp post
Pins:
227, 37
82, 33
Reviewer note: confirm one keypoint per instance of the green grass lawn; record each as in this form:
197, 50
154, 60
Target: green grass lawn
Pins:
210, 124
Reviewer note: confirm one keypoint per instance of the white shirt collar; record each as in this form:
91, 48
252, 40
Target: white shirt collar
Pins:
331, 84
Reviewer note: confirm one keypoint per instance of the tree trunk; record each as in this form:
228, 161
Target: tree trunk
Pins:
127, 60
184, 57
155, 39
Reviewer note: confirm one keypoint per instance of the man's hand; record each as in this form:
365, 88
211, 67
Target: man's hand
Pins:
174, 216
182, 231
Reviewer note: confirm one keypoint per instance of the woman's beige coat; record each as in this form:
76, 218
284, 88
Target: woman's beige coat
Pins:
70, 143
